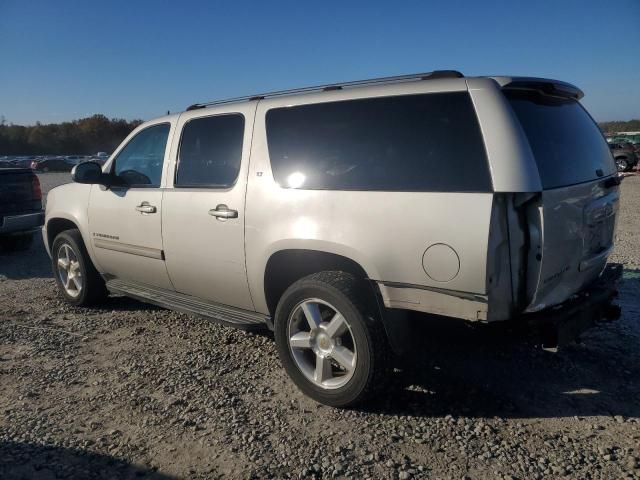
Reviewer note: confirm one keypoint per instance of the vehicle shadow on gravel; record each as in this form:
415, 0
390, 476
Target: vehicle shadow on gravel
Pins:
124, 304
31, 263
484, 372
27, 460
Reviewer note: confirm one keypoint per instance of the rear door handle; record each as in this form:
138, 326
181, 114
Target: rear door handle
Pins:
144, 207
222, 211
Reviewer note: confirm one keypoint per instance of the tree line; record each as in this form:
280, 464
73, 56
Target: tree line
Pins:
98, 133
619, 126
85, 136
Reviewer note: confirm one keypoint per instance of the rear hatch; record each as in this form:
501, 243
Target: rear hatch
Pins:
572, 225
17, 192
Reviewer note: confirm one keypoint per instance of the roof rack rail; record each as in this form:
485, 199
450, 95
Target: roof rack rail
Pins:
336, 86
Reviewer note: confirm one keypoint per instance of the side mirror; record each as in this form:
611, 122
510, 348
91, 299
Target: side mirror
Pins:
87, 172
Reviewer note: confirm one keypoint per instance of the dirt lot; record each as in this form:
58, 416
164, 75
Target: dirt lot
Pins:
128, 390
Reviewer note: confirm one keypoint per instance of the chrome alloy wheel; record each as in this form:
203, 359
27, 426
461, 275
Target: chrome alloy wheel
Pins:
321, 343
69, 271
622, 164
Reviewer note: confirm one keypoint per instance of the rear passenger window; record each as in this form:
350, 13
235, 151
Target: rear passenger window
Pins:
210, 151
428, 142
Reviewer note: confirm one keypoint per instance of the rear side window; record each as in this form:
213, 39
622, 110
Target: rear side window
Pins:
567, 144
428, 142
210, 151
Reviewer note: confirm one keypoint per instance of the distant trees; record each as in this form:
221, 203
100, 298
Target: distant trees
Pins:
613, 127
100, 134
84, 136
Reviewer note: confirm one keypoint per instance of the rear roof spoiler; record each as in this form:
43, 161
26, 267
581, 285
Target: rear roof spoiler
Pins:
544, 85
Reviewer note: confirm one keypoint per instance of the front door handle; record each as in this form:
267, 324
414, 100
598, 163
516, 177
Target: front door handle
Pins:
144, 207
222, 211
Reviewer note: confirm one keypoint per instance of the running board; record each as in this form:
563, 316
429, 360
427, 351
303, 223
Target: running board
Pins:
224, 314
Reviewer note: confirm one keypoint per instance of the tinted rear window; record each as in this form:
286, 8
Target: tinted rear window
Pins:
567, 144
406, 143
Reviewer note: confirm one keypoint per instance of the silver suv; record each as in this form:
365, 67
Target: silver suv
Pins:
325, 213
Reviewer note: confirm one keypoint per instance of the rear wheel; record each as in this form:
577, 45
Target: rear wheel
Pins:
77, 279
329, 341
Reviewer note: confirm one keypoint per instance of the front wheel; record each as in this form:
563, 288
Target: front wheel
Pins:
78, 281
329, 339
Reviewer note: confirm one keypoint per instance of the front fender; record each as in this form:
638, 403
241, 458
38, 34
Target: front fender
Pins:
70, 202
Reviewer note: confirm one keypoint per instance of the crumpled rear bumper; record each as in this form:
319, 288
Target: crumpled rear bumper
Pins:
564, 323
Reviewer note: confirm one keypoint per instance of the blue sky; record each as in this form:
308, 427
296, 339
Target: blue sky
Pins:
61, 60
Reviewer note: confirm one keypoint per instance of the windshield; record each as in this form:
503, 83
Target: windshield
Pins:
567, 144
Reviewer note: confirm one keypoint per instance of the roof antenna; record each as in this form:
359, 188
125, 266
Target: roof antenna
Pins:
168, 112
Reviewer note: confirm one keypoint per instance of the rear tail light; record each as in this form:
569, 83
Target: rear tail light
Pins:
35, 188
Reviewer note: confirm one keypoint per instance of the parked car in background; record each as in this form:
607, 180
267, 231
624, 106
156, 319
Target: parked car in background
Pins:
54, 165
328, 214
23, 162
625, 155
101, 157
6, 161
76, 159
53, 161
21, 212
635, 139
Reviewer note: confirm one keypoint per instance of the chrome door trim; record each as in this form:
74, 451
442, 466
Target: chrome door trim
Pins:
128, 248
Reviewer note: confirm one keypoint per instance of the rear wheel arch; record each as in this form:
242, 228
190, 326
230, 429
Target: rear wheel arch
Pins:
285, 267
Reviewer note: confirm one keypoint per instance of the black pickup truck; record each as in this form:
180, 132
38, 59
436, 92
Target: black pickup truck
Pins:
21, 214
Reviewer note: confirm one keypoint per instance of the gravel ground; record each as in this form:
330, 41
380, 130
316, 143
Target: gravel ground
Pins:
128, 390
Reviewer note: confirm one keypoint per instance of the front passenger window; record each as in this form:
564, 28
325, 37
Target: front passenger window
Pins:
139, 163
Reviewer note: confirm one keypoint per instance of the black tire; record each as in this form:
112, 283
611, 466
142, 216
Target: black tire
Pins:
373, 361
93, 290
16, 243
